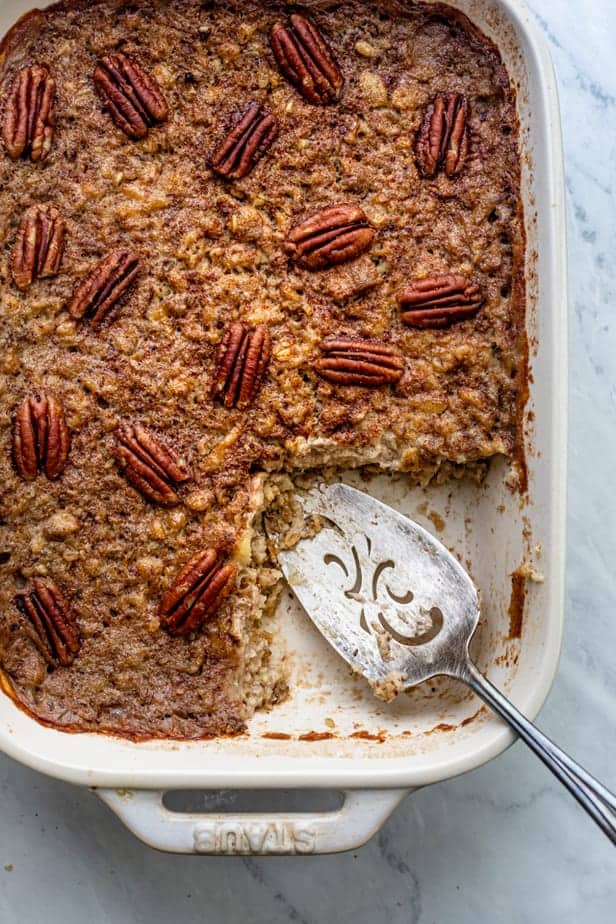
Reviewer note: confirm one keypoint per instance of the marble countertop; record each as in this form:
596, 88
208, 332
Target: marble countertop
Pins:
502, 844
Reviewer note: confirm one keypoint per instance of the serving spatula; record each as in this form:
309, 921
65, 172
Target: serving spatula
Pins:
400, 609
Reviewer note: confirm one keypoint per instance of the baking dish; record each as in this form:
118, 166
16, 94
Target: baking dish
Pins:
331, 732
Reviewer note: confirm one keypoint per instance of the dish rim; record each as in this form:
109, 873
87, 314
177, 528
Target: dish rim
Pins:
130, 764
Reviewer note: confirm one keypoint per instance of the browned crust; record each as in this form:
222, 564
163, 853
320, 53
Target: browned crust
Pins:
516, 605
315, 736
17, 33
112, 731
519, 313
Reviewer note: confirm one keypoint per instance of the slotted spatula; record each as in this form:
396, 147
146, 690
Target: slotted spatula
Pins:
400, 609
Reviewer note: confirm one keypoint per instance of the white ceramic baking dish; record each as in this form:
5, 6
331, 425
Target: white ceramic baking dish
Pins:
332, 733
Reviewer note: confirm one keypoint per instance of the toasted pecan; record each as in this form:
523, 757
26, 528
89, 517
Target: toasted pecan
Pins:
51, 616
354, 361
150, 466
331, 236
41, 439
439, 301
306, 60
196, 592
132, 97
29, 115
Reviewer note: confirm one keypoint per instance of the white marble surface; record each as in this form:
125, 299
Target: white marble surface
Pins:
503, 844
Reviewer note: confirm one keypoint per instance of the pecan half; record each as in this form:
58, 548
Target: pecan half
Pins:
29, 115
149, 465
132, 97
39, 245
104, 286
351, 361
306, 60
331, 236
442, 141
41, 441
196, 592
241, 361
245, 143
439, 301
50, 614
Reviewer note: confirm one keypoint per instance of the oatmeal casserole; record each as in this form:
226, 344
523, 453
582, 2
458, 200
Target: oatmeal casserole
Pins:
241, 243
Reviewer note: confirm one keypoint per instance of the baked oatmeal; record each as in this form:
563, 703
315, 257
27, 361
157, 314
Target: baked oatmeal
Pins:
240, 242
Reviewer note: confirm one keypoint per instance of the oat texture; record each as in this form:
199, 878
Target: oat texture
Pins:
211, 253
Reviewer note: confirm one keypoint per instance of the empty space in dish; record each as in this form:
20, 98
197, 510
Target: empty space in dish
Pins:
327, 702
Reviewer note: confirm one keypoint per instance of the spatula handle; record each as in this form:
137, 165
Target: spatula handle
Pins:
598, 801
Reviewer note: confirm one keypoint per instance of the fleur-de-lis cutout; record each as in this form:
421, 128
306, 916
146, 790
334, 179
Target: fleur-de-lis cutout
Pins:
365, 587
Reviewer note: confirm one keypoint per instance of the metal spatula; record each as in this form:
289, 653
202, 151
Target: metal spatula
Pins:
400, 609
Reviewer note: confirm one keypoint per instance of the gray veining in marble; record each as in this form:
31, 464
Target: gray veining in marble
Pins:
502, 844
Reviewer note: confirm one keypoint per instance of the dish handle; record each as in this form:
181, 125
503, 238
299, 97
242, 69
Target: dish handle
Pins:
360, 816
